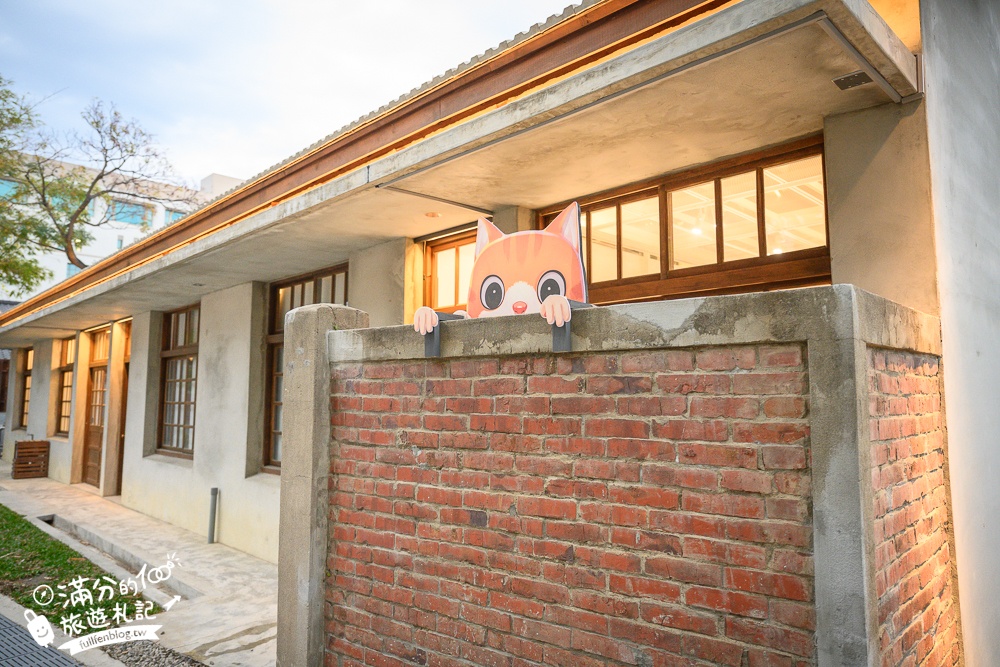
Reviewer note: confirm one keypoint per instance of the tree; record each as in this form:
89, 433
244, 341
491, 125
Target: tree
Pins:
18, 268
60, 187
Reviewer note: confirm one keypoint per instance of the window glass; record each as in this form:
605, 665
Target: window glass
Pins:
693, 214
795, 215
133, 214
340, 287
604, 244
172, 216
739, 217
641, 237
444, 271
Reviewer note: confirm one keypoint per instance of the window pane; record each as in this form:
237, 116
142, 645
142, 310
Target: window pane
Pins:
307, 293
641, 237
284, 305
192, 338
604, 244
693, 214
444, 271
339, 294
739, 217
795, 217
30, 361
584, 246
325, 289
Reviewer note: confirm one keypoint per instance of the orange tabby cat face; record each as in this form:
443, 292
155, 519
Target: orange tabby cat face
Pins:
514, 273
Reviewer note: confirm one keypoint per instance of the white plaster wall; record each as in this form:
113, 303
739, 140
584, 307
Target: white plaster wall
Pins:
230, 363
879, 203
962, 59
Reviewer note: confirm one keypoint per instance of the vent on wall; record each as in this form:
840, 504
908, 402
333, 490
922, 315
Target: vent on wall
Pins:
852, 80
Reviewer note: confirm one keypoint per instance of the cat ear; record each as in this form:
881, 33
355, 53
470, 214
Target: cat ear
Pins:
567, 225
486, 233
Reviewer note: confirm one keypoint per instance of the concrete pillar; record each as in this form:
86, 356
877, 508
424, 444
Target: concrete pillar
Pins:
377, 282
510, 219
113, 423
78, 420
879, 203
305, 471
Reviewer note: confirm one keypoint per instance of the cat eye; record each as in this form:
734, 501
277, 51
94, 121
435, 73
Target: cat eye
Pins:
551, 282
491, 293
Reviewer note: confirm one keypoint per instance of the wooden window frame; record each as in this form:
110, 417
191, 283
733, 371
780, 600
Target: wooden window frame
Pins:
64, 407
4, 375
766, 272
168, 353
276, 339
25, 398
431, 248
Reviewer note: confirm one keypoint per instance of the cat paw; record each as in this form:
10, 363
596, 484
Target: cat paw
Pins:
424, 320
555, 309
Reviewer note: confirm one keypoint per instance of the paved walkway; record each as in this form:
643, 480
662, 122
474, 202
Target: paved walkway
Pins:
228, 609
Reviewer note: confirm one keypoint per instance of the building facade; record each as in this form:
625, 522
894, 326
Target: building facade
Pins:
716, 148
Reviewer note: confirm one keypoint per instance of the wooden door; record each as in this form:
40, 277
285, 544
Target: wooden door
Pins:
94, 439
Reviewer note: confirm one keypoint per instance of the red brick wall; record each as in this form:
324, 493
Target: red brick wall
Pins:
637, 508
917, 610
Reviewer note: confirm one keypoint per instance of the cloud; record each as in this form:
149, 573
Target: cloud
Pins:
235, 87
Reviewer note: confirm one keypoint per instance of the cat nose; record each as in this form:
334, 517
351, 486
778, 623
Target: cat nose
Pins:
520, 307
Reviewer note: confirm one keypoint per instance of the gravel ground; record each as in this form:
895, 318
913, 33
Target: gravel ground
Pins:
149, 654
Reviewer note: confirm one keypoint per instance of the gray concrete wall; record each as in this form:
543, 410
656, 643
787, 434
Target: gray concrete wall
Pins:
962, 60
879, 203
381, 282
228, 406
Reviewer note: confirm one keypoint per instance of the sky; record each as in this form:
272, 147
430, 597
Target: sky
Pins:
234, 87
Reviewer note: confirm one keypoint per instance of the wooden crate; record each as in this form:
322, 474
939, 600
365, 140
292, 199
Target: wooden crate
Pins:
31, 459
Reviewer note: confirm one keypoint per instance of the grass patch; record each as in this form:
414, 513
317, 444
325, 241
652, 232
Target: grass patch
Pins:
29, 558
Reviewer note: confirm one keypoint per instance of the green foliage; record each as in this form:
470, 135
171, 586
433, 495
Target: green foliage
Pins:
50, 203
30, 558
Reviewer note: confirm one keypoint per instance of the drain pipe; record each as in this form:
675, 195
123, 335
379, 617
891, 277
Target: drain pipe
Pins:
211, 514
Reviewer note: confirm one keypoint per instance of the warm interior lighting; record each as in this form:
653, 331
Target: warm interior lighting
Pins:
432, 214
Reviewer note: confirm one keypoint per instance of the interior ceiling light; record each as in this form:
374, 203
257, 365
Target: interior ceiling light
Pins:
432, 214
852, 80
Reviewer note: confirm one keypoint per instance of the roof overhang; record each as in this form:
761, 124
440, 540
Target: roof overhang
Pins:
743, 76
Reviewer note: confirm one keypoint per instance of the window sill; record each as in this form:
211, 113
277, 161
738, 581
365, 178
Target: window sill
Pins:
171, 459
270, 470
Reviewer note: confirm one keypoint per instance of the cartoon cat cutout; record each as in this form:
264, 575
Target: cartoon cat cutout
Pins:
523, 272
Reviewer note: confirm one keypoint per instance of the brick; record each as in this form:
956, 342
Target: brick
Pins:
785, 586
615, 428
724, 503
657, 362
685, 429
770, 433
769, 383
678, 617
701, 383
788, 407
733, 602
784, 458
581, 405
751, 481
645, 496
760, 634
717, 455
714, 406
715, 651
621, 384
680, 569
552, 508
789, 356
